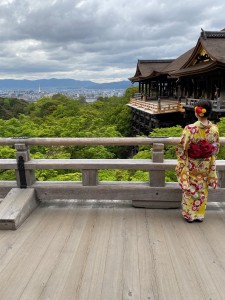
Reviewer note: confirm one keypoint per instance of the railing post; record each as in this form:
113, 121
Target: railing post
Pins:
221, 179
160, 197
24, 177
157, 178
159, 104
89, 177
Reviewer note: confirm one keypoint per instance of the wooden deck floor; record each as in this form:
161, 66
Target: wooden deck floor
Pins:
113, 252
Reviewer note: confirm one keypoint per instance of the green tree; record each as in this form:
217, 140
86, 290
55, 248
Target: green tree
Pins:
60, 116
11, 107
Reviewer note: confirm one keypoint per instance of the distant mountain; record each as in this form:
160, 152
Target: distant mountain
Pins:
60, 84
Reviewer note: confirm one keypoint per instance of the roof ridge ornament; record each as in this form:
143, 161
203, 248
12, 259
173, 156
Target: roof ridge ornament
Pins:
212, 34
203, 34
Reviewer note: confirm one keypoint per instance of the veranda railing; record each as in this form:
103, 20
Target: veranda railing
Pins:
154, 193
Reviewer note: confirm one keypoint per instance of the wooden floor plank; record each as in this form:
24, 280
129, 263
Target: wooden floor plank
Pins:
112, 287
60, 274
146, 260
131, 271
177, 234
189, 262
210, 246
50, 258
105, 253
92, 281
75, 275
181, 257
13, 241
21, 267
167, 282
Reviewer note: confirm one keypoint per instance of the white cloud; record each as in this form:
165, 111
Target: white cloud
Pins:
99, 40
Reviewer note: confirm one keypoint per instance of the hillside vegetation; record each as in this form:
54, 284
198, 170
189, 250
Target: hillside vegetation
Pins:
60, 116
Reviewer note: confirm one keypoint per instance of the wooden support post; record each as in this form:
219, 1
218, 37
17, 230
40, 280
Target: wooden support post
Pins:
221, 179
90, 177
16, 207
24, 177
159, 104
157, 178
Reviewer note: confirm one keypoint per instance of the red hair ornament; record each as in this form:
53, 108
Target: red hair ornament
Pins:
200, 111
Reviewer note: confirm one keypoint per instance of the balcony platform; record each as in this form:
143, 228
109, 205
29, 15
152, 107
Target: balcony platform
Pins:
111, 250
153, 107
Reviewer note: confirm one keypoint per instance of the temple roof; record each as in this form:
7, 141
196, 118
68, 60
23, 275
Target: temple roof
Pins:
149, 68
179, 62
207, 55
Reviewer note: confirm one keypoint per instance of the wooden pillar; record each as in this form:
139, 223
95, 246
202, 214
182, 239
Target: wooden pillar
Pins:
157, 178
157, 184
159, 104
90, 177
222, 89
221, 179
157, 89
23, 177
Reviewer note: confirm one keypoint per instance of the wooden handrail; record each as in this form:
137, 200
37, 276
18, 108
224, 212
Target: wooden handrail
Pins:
155, 106
96, 164
117, 141
156, 191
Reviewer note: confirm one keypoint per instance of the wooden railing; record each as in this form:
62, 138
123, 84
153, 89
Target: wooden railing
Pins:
216, 104
153, 193
156, 106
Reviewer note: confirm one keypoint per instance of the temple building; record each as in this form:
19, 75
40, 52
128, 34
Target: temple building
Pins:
169, 89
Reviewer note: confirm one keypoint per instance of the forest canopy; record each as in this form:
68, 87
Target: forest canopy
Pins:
60, 116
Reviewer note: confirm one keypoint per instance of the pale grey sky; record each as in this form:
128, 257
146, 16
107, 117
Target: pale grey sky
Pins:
98, 40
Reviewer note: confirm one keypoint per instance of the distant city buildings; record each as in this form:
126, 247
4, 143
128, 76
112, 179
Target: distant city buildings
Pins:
90, 95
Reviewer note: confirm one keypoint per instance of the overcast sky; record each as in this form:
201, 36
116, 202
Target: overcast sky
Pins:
98, 40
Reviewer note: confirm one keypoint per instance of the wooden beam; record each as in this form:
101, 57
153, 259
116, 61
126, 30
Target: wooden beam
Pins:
16, 207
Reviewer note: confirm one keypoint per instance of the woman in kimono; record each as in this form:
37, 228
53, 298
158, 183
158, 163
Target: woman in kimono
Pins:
196, 167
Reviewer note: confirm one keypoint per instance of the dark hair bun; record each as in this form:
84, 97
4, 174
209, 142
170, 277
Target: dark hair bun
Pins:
207, 104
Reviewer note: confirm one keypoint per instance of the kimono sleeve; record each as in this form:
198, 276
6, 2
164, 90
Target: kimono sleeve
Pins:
212, 177
181, 169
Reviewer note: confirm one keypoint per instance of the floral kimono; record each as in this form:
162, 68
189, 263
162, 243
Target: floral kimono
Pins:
196, 167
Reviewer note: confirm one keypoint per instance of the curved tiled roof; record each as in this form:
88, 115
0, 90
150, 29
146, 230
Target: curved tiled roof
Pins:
179, 62
215, 47
149, 68
195, 69
213, 44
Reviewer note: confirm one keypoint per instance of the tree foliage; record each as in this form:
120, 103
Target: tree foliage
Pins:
60, 116
12, 107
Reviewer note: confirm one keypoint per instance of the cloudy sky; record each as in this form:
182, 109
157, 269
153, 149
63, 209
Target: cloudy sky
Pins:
98, 40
